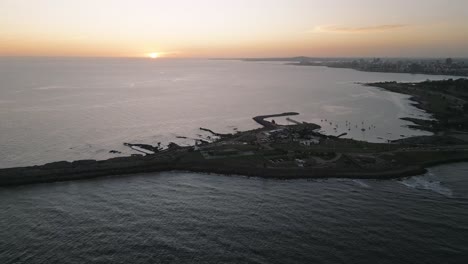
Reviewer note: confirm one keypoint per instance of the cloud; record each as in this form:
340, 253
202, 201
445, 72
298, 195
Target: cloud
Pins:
350, 30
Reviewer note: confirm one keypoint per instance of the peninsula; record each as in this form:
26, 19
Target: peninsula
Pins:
293, 151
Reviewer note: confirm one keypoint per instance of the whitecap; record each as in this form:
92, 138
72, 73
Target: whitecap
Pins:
49, 87
361, 183
426, 183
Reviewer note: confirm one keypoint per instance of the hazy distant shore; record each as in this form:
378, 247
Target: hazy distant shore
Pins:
395, 65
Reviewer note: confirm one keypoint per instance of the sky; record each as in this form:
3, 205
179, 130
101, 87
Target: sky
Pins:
234, 28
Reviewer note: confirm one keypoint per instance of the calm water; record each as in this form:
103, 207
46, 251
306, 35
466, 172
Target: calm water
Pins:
69, 109
196, 218
56, 109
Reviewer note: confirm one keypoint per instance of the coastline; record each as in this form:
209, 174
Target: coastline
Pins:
430, 67
444, 100
70, 171
75, 173
283, 152
455, 75
348, 165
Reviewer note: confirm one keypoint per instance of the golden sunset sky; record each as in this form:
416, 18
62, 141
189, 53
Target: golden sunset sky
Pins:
234, 28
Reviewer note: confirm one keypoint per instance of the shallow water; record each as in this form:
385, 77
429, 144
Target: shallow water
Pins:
68, 109
196, 218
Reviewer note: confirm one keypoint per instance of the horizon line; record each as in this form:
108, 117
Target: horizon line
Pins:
231, 58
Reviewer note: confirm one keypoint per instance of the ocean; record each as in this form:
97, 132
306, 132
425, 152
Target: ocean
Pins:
178, 217
69, 109
80, 108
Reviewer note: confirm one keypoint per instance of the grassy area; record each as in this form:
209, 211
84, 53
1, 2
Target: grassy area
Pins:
423, 157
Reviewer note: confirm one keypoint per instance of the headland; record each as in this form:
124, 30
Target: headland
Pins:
293, 151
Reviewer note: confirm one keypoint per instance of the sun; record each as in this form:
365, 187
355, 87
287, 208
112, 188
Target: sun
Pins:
154, 55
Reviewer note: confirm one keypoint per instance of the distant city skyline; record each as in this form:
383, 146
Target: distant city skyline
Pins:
234, 29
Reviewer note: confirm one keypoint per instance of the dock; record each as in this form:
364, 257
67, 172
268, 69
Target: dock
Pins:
261, 119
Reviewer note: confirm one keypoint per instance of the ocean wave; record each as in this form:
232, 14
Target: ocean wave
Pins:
49, 87
361, 183
427, 182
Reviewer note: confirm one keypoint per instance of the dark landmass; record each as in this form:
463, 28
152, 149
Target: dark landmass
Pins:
278, 151
294, 151
446, 100
449, 66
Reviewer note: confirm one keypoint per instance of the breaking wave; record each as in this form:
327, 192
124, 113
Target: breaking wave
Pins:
427, 182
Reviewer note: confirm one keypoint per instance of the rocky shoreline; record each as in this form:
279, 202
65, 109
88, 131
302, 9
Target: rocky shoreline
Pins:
88, 169
276, 151
176, 160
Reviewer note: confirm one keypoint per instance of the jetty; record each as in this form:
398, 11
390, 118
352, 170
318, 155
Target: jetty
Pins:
267, 124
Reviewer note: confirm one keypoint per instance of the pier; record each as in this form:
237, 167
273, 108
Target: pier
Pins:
267, 124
